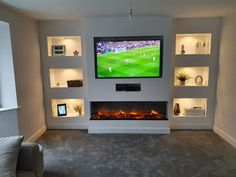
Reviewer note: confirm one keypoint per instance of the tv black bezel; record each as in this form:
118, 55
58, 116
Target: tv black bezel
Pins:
128, 38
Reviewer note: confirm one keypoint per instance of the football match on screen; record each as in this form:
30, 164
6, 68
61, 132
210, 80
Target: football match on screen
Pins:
128, 59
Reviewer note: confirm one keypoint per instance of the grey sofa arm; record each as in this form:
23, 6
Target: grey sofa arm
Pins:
31, 159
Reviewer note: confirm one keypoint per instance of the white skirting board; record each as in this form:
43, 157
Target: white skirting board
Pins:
37, 134
225, 136
191, 127
129, 126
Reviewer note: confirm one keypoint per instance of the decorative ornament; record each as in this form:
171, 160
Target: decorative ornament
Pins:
182, 52
78, 109
76, 53
198, 80
176, 109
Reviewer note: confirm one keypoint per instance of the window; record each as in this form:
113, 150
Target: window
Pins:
7, 78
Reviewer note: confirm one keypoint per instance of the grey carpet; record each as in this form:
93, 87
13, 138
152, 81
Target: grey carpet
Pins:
180, 154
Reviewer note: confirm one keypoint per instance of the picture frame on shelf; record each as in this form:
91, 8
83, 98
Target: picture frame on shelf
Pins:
199, 80
58, 50
61, 109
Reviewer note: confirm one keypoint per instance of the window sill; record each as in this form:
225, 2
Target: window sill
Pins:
10, 108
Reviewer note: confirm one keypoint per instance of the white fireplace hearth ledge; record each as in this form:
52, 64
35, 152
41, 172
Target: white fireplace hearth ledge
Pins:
129, 126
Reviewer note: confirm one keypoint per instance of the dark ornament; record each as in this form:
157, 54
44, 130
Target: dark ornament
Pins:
182, 52
75, 83
76, 53
176, 109
199, 80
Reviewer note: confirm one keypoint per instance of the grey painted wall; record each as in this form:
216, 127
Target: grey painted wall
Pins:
26, 59
153, 89
8, 123
225, 110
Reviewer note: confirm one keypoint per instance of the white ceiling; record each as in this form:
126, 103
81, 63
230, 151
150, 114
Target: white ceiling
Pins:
71, 9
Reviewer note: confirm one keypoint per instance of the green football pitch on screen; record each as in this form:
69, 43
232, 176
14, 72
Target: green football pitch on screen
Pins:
138, 62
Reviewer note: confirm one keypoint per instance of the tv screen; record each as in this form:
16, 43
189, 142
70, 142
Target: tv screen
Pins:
128, 57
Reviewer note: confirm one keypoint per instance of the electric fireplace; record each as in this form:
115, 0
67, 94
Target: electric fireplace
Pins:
145, 117
128, 110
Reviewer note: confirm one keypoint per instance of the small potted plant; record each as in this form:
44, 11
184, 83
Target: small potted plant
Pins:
78, 109
182, 77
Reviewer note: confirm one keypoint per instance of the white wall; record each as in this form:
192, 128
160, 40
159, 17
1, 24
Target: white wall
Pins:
152, 89
197, 26
225, 117
26, 59
62, 28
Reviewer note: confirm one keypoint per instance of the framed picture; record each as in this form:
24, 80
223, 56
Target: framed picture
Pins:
58, 50
61, 109
198, 80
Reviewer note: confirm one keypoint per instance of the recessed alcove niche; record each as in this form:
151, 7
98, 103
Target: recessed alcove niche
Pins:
193, 44
190, 107
74, 108
62, 77
198, 76
64, 46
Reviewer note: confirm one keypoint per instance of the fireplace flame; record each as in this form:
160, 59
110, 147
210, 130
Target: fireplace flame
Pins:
128, 115
153, 112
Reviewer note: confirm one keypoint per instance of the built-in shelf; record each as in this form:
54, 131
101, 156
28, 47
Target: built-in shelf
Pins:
193, 44
198, 76
74, 108
64, 46
66, 77
190, 107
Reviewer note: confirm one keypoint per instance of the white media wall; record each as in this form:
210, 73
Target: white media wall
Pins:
152, 89
200, 62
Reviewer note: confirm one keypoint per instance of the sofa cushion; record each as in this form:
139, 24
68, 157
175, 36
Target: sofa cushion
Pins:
31, 158
9, 150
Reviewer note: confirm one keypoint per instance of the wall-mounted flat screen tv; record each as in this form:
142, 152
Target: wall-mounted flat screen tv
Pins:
128, 57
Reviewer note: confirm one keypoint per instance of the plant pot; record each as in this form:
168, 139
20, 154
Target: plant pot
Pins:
182, 82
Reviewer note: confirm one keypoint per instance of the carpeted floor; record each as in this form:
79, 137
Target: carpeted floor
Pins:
180, 154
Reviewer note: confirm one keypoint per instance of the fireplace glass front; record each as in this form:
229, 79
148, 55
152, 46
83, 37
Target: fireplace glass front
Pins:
128, 110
